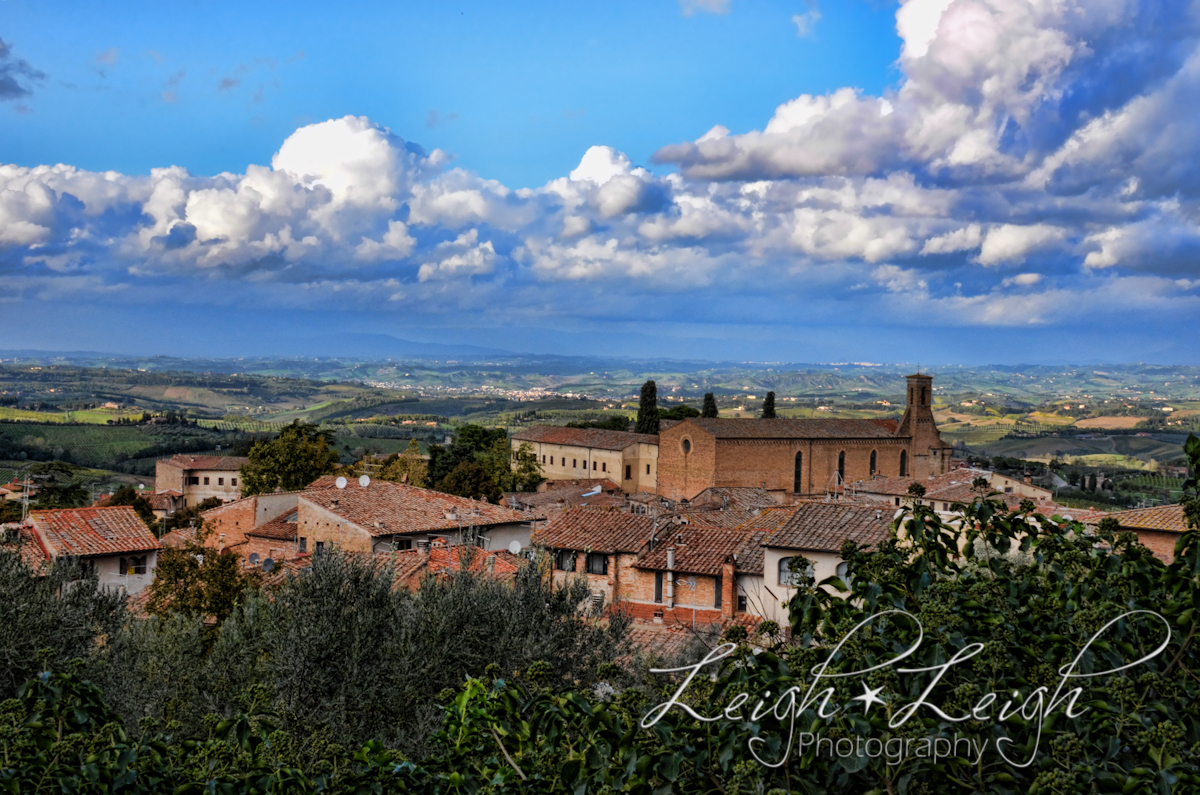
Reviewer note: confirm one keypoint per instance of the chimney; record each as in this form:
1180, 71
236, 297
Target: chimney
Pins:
491, 564
1028, 478
671, 578
728, 587
423, 548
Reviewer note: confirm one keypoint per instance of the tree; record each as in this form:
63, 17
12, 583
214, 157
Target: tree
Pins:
196, 580
680, 412
469, 442
768, 409
410, 468
469, 479
647, 416
300, 454
1091, 486
710, 406
128, 495
61, 495
617, 422
187, 517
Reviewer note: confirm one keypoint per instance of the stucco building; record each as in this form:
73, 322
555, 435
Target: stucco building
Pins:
629, 459
112, 542
199, 477
793, 458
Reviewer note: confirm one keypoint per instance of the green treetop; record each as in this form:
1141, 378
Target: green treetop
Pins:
710, 406
300, 454
768, 409
647, 417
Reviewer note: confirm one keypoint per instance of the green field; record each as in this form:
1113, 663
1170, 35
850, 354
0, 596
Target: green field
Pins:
90, 416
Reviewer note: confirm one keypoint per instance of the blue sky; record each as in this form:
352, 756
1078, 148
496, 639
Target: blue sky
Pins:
946, 180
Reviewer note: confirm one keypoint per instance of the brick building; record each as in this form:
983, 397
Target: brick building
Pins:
1158, 528
382, 516
793, 458
629, 459
199, 477
112, 542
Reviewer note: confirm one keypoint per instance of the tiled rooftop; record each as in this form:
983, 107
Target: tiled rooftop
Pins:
744, 497
215, 463
88, 532
822, 527
596, 530
385, 509
783, 428
26, 543
282, 527
700, 550
1160, 517
595, 438
562, 497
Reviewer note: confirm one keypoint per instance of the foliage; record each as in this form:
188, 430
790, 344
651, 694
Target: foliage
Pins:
485, 465
469, 442
617, 422
196, 580
300, 454
471, 480
410, 468
187, 517
647, 416
680, 412
128, 495
768, 407
710, 406
61, 495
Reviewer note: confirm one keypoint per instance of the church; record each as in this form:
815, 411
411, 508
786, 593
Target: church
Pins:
793, 458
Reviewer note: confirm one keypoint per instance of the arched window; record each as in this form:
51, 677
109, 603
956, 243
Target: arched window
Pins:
798, 483
789, 578
873, 462
842, 467
922, 396
903, 463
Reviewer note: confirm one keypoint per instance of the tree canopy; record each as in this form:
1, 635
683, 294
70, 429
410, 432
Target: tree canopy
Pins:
300, 454
768, 407
647, 416
710, 406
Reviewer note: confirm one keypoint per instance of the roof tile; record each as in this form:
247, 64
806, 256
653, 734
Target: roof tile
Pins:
88, 532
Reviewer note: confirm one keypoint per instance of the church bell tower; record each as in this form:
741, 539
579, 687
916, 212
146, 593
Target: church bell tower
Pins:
927, 452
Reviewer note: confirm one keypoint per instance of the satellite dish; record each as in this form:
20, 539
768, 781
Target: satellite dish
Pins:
340, 482
268, 564
141, 486
254, 558
514, 547
364, 481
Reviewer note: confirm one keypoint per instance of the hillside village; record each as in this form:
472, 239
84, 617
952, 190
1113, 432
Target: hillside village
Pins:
704, 521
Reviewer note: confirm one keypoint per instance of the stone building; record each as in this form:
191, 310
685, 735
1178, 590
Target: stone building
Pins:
112, 542
629, 459
198, 477
793, 458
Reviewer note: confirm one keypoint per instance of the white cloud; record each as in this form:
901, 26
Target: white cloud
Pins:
806, 22
600, 164
464, 256
1012, 242
964, 239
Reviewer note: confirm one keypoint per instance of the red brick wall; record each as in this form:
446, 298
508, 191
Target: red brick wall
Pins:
233, 520
1161, 542
167, 476
684, 475
317, 524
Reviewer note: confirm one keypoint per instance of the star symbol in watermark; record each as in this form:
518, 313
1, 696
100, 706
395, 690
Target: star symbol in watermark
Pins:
869, 697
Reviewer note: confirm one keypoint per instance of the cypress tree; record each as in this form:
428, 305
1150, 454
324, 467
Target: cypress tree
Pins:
768, 411
647, 417
710, 406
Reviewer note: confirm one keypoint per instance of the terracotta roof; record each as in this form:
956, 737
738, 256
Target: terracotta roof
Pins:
26, 543
179, 537
596, 530
783, 428
217, 463
595, 438
1160, 517
163, 501
769, 519
386, 509
745, 497
88, 532
702, 550
823, 527
713, 518
279, 528
604, 483
564, 496
443, 559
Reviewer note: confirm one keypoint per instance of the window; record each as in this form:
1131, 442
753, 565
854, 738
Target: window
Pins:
564, 560
791, 578
597, 563
647, 469
220, 481
593, 466
903, 463
233, 481
718, 586
320, 548
543, 458
206, 481
401, 543
604, 467
742, 604
193, 480
551, 459
658, 586
872, 462
628, 472
897, 502
922, 396
303, 544
574, 463
798, 482
687, 446
842, 467
1008, 489
133, 565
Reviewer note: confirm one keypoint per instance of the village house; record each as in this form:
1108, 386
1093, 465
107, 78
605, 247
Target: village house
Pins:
956, 486
1158, 527
381, 516
629, 459
199, 477
795, 458
112, 542
563, 494
601, 546
814, 531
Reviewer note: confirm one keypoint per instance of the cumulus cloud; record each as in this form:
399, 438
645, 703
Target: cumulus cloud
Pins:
806, 22
1031, 164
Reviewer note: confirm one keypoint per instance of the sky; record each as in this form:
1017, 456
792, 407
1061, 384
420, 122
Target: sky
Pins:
935, 180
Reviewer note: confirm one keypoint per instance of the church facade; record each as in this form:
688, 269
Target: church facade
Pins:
794, 458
